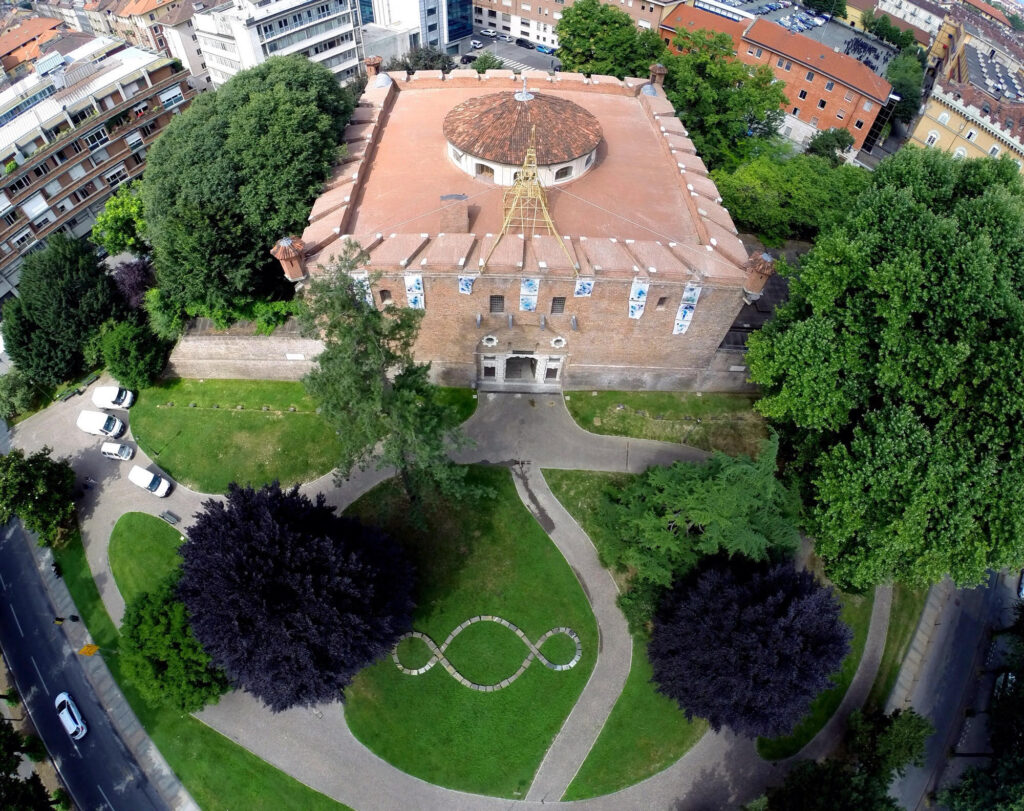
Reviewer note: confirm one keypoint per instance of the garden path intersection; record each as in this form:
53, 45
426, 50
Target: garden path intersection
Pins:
526, 433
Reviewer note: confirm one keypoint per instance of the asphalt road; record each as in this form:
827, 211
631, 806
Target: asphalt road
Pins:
511, 53
99, 770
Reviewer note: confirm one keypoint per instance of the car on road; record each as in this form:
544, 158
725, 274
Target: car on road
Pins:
488, 32
112, 397
101, 424
117, 451
468, 59
545, 49
475, 44
506, 38
70, 717
156, 484
525, 43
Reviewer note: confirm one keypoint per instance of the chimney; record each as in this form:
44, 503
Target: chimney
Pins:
455, 218
373, 64
759, 270
289, 252
658, 72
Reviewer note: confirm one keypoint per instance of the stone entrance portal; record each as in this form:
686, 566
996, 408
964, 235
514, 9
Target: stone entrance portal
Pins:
520, 371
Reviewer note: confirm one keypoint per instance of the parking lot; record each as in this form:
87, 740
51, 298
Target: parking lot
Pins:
833, 34
514, 57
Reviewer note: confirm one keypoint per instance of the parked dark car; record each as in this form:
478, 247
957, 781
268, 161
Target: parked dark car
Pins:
468, 59
525, 43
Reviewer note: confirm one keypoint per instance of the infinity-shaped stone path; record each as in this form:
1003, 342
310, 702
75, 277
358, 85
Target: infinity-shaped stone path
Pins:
437, 653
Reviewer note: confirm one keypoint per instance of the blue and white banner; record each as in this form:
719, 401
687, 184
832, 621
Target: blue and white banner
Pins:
584, 287
686, 309
414, 291
637, 298
528, 290
362, 278
466, 284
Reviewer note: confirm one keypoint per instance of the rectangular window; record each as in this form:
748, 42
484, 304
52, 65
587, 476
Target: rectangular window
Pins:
993, 151
171, 97
22, 238
780, 63
868, 106
116, 176
489, 371
796, 111
750, 51
859, 125
11, 217
758, 53
94, 140
385, 296
558, 305
810, 75
662, 301
830, 85
497, 304
821, 104
849, 95
972, 135
802, 94
42, 169
814, 121
789, 65
841, 114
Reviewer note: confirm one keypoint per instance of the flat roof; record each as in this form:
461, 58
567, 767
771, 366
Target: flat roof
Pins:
632, 191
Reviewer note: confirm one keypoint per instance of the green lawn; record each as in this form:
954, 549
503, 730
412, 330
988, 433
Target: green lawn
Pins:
907, 605
219, 773
462, 400
487, 556
207, 447
645, 733
856, 613
722, 422
141, 547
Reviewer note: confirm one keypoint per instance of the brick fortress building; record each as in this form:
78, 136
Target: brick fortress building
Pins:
557, 231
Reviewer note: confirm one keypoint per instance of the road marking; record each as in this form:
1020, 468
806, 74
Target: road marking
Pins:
16, 620
40, 674
105, 797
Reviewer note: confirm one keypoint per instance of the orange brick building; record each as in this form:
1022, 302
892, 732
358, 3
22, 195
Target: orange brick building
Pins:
825, 89
637, 286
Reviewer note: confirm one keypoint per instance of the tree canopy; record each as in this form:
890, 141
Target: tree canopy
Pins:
783, 198
598, 38
895, 374
728, 107
133, 354
65, 295
161, 656
289, 599
834, 8
17, 794
120, 227
487, 61
747, 645
830, 144
423, 58
669, 518
370, 388
906, 74
883, 28
234, 173
878, 749
39, 490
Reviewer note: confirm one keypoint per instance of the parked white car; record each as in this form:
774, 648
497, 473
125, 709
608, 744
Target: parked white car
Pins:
156, 484
117, 451
70, 717
112, 397
96, 422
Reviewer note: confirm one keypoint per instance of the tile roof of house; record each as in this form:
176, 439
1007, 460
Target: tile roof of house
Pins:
139, 7
988, 31
183, 12
688, 18
1007, 115
499, 127
26, 31
814, 55
991, 11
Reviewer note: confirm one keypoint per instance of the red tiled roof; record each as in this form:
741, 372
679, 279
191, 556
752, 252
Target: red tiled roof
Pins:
27, 31
814, 55
688, 18
991, 11
139, 7
498, 127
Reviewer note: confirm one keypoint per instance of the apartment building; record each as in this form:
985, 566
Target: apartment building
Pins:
923, 15
535, 20
183, 41
71, 133
241, 34
825, 89
442, 24
22, 41
140, 22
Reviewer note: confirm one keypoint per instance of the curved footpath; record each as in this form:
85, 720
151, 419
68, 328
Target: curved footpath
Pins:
526, 433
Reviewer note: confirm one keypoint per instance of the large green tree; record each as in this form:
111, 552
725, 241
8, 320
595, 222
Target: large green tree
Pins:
371, 389
39, 490
120, 227
728, 107
895, 374
65, 294
906, 74
161, 655
233, 174
598, 38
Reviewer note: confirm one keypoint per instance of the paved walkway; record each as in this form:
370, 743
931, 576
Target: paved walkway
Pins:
527, 433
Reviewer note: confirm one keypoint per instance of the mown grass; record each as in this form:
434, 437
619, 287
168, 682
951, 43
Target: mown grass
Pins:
713, 422
856, 613
907, 606
141, 546
645, 732
218, 773
485, 556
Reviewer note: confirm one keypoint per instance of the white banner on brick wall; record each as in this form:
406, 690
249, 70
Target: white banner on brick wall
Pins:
686, 309
414, 290
637, 298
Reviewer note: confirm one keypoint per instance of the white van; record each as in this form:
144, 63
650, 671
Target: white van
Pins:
96, 422
112, 397
70, 717
117, 451
157, 485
